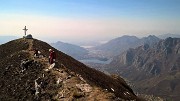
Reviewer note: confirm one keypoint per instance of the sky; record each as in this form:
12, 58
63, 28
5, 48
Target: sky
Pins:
77, 21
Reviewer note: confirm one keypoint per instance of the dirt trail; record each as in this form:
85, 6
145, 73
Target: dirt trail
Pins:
67, 85
42, 59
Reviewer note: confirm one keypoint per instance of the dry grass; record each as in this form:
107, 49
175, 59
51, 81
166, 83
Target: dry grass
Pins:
20, 86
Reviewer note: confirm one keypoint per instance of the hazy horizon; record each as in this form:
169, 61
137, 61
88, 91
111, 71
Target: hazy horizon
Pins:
88, 20
84, 43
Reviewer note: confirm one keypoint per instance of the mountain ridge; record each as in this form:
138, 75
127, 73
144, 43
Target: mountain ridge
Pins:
14, 53
164, 36
154, 70
118, 45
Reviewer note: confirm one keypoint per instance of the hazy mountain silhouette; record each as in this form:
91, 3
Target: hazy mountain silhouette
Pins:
118, 45
164, 36
75, 51
154, 70
68, 80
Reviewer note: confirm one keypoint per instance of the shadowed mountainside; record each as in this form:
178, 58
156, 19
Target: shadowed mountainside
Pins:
154, 70
64, 82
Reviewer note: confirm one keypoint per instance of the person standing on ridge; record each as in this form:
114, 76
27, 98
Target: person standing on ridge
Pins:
52, 56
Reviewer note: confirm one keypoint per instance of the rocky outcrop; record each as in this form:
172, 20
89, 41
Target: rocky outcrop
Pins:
155, 58
127, 57
156, 64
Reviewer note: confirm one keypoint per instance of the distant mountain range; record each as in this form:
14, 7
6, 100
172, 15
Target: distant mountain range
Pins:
4, 39
75, 51
153, 70
118, 45
164, 36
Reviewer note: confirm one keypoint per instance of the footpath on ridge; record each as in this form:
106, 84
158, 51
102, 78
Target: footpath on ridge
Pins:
25, 77
61, 84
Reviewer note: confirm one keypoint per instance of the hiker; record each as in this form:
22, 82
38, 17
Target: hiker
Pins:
36, 52
52, 56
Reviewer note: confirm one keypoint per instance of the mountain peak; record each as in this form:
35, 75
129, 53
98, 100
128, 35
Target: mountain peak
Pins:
152, 69
118, 45
75, 51
68, 80
152, 36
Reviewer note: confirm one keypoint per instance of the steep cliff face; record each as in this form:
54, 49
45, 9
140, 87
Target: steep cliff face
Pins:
165, 53
156, 70
25, 77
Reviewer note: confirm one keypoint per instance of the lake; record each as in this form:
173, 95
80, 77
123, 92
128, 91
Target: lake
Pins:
95, 61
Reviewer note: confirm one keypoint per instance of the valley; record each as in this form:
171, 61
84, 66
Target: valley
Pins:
152, 66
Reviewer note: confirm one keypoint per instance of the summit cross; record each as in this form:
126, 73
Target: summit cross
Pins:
25, 30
